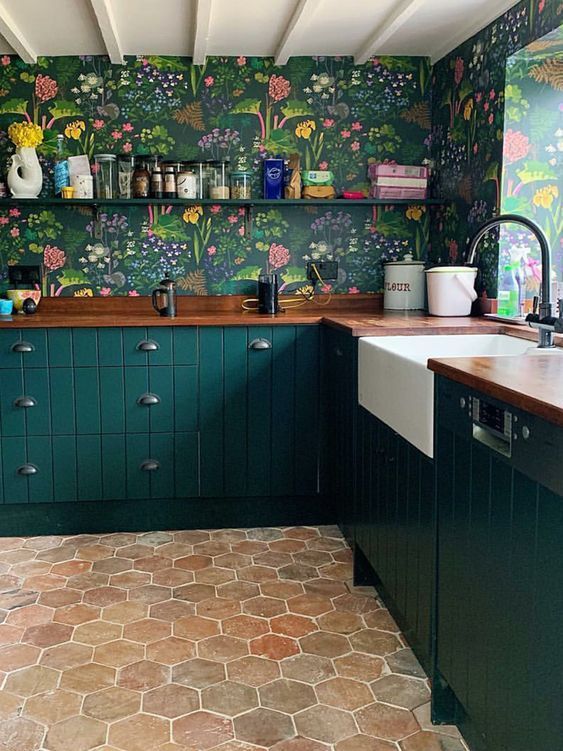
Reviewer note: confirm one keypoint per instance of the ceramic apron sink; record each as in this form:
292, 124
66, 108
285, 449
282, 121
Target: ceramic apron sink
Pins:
396, 386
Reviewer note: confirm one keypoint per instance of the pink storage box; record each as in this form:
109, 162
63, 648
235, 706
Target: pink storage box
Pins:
396, 170
389, 193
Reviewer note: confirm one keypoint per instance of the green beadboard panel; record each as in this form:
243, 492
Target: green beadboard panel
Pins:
87, 402
65, 486
9, 359
89, 463
162, 481
114, 468
40, 485
112, 400
138, 481
110, 347
62, 398
307, 390
14, 454
136, 384
164, 354
161, 415
185, 345
131, 338
185, 398
236, 410
211, 405
186, 465
284, 407
38, 339
85, 347
59, 343
259, 414
12, 417
38, 418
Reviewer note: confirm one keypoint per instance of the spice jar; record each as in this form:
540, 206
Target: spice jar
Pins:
125, 170
157, 183
219, 180
169, 182
241, 185
105, 175
186, 184
202, 171
141, 180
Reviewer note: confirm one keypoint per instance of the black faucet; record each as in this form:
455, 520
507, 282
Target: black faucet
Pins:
544, 321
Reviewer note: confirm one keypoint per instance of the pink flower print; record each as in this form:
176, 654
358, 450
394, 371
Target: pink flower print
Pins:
215, 209
353, 291
492, 94
45, 87
356, 126
541, 6
475, 148
240, 230
127, 147
328, 122
209, 81
242, 211
278, 256
278, 88
355, 145
127, 127
116, 135
4, 220
98, 124
232, 218
105, 291
211, 250
15, 232
15, 212
241, 60
5, 60
491, 118
345, 133
515, 146
326, 288
53, 257
458, 70
323, 165
133, 293
486, 106
478, 96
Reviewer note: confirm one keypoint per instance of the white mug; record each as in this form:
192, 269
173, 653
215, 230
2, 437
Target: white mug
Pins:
83, 186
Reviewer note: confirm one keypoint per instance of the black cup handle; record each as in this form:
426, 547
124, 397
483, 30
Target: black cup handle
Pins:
155, 296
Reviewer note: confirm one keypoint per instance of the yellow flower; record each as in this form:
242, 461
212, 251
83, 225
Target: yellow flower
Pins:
85, 292
74, 129
468, 110
415, 212
192, 213
544, 196
305, 128
25, 134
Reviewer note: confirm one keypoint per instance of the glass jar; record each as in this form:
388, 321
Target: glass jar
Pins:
186, 184
157, 184
241, 185
169, 182
141, 180
105, 173
125, 170
219, 180
152, 161
203, 174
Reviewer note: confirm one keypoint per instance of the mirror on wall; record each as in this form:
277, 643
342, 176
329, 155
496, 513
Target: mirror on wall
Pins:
532, 183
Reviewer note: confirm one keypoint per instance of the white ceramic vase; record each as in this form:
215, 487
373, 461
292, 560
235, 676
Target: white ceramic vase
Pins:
25, 176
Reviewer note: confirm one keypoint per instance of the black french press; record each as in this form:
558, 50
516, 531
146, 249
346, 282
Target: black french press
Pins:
164, 298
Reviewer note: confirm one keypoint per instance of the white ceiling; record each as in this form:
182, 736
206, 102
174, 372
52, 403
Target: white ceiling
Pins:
281, 28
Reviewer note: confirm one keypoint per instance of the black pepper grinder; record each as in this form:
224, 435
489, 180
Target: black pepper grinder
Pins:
164, 298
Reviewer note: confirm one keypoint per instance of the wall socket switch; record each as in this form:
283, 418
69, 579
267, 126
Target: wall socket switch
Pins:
327, 270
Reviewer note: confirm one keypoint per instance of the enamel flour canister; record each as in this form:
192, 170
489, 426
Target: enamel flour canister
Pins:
403, 287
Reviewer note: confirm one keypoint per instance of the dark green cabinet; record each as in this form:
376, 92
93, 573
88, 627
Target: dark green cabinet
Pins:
500, 577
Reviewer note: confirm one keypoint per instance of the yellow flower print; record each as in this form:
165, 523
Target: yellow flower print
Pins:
75, 129
544, 196
305, 128
85, 292
192, 213
25, 134
468, 110
415, 212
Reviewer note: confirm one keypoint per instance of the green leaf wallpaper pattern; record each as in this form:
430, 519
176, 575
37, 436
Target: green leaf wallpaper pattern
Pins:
336, 115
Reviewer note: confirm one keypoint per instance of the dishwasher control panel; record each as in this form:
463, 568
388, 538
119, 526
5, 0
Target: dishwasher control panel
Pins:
492, 425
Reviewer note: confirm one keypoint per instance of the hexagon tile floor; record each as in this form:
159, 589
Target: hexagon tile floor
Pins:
231, 640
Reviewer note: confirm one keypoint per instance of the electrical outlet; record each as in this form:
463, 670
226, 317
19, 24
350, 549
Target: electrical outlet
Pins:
327, 270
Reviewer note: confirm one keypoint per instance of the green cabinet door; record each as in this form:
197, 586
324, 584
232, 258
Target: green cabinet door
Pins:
62, 399
12, 417
87, 400
14, 456
211, 411
36, 386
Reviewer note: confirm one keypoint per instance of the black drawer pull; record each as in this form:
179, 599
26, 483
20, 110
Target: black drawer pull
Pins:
260, 344
338, 352
150, 465
25, 402
22, 347
148, 400
27, 469
148, 345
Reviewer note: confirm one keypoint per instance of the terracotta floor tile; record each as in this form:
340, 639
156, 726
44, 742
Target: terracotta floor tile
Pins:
111, 704
155, 538
375, 642
245, 626
10, 634
202, 730
212, 548
112, 565
74, 615
274, 647
89, 580
29, 615
344, 693
301, 533
171, 701
233, 561
401, 691
17, 656
308, 668
71, 568
266, 534
287, 546
147, 630
198, 673
214, 575
364, 743
171, 610
337, 571
287, 696
325, 644
360, 666
52, 706
301, 744
273, 559
86, 679
313, 558
58, 598
118, 653
130, 579
20, 734
254, 671
135, 551
282, 590
118, 539
383, 721
228, 535
425, 741
293, 625
340, 622
97, 632
195, 627
298, 572
325, 588
194, 592
193, 562
67, 655
126, 612
264, 727
150, 593
191, 537
382, 620
222, 648
171, 651
237, 590
405, 663
94, 552
325, 724
256, 574
105, 596
47, 634
249, 547
229, 698
309, 604
139, 732
152, 563
264, 607
218, 608
33, 680
172, 577
57, 555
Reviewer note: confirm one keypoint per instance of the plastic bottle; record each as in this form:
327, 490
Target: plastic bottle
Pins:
509, 294
62, 176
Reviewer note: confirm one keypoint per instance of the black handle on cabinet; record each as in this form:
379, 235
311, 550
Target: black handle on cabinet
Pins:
338, 352
150, 465
148, 400
260, 344
22, 347
25, 402
148, 345
27, 469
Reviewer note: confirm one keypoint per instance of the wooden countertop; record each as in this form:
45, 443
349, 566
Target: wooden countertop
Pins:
533, 383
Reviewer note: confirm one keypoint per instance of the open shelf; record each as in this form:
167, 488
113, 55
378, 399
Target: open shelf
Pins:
97, 202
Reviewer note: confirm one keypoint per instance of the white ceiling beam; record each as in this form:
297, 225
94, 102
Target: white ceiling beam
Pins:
390, 25
302, 14
14, 36
201, 34
108, 29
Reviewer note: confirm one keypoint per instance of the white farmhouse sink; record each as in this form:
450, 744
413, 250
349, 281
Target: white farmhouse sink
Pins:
396, 386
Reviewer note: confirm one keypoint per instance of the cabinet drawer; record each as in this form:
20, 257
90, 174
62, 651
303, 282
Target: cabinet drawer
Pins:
23, 348
25, 402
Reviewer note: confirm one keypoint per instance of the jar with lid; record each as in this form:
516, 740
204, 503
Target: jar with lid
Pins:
105, 173
169, 182
186, 183
153, 161
141, 179
125, 170
157, 184
219, 180
203, 172
241, 185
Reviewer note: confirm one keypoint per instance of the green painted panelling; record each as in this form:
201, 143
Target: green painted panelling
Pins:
110, 346
114, 468
138, 480
112, 400
85, 347
307, 390
40, 485
162, 480
62, 397
136, 384
38, 418
13, 456
211, 406
89, 463
65, 487
164, 354
186, 412
37, 358
87, 403
185, 345
12, 417
259, 414
236, 410
9, 358
131, 338
284, 406
161, 415
186, 465
59, 343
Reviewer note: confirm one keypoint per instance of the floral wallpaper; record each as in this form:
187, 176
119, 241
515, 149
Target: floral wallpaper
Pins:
467, 129
337, 116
